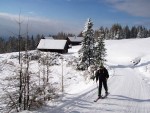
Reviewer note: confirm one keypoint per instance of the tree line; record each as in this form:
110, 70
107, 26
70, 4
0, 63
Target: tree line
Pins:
12, 43
116, 31
123, 32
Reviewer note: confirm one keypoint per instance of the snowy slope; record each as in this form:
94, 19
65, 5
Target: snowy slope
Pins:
129, 84
129, 87
126, 96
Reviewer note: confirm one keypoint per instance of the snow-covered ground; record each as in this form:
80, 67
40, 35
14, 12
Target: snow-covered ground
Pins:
128, 62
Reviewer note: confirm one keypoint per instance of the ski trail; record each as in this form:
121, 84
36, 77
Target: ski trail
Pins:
128, 94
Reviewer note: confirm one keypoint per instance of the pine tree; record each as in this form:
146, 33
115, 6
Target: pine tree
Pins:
134, 32
107, 34
140, 33
126, 32
116, 31
100, 50
117, 36
86, 52
2, 45
148, 33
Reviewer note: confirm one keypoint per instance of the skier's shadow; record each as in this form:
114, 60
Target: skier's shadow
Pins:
120, 66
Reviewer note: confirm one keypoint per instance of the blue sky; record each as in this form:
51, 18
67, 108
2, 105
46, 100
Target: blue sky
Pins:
52, 16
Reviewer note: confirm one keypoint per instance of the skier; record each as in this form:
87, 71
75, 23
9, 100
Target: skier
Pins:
102, 75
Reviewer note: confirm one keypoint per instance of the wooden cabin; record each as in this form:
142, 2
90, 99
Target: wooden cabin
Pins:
48, 45
74, 40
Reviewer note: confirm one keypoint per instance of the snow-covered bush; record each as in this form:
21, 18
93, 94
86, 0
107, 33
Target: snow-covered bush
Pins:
72, 61
26, 88
91, 70
52, 58
40, 94
16, 56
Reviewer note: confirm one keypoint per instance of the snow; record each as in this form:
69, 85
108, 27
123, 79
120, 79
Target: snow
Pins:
75, 39
126, 50
129, 85
51, 44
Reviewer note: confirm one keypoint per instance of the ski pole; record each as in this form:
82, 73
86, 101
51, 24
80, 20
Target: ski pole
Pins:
97, 85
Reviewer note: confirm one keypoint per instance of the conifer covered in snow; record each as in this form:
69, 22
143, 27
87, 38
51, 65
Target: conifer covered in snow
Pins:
86, 53
117, 36
140, 33
100, 50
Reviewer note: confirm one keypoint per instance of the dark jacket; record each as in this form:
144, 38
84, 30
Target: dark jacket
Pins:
101, 74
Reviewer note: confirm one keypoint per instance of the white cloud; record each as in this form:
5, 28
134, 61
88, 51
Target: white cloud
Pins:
37, 25
133, 7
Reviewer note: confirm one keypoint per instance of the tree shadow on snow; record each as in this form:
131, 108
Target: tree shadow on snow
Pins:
143, 64
120, 66
75, 102
121, 97
130, 65
74, 112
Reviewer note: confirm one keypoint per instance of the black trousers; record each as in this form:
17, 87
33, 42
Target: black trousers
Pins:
104, 83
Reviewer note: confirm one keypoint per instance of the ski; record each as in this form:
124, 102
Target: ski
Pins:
105, 96
102, 97
97, 99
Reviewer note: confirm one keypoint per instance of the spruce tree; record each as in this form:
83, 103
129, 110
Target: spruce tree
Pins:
126, 32
140, 32
86, 53
117, 36
100, 50
107, 34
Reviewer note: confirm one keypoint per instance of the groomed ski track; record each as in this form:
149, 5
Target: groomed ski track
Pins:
128, 94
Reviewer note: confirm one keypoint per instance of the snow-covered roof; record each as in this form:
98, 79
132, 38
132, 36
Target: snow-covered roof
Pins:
51, 44
49, 38
75, 39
